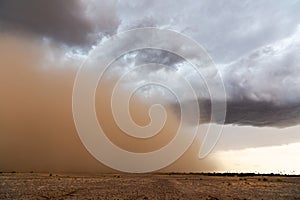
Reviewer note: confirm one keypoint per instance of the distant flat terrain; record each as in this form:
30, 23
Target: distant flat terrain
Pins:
146, 186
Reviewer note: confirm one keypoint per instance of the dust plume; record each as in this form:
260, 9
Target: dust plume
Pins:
36, 125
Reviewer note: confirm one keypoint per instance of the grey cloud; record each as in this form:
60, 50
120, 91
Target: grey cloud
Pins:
162, 57
261, 79
249, 113
270, 73
254, 113
64, 21
228, 29
262, 87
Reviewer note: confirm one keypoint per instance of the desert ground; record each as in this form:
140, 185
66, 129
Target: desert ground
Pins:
147, 186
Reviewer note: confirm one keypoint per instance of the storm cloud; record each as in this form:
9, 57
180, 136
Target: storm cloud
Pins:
70, 22
250, 113
255, 45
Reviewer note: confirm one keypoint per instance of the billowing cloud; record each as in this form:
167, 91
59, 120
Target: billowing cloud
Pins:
263, 87
70, 22
227, 29
255, 45
269, 73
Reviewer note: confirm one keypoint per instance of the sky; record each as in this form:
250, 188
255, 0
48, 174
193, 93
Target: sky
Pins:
255, 48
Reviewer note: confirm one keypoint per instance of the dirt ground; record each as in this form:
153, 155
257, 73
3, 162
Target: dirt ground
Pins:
146, 186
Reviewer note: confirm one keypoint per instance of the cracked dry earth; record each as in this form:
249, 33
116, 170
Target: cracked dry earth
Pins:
145, 186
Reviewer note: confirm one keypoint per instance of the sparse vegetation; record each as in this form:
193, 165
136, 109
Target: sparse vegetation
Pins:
146, 186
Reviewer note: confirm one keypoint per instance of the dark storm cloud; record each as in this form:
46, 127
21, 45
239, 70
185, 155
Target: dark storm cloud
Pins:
250, 113
253, 113
64, 21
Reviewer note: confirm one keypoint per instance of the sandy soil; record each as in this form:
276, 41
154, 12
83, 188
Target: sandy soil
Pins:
146, 186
